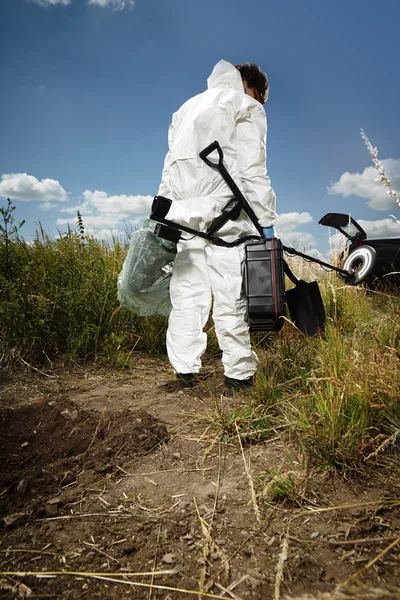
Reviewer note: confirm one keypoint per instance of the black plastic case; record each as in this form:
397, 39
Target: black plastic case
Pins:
264, 285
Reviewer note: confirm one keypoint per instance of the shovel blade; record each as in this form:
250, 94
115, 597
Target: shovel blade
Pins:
306, 308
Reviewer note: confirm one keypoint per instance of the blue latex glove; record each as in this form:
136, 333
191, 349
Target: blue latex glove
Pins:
269, 232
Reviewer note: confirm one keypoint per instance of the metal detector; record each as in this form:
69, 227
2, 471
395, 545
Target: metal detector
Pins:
264, 266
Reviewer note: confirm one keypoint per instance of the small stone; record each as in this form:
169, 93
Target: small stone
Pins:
314, 535
24, 444
270, 541
68, 478
22, 487
169, 559
90, 556
142, 437
220, 542
176, 455
56, 500
70, 414
14, 520
214, 556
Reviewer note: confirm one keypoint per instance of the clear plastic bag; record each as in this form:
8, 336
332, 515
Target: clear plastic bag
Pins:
143, 284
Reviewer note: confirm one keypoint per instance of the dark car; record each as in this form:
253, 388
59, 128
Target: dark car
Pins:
375, 261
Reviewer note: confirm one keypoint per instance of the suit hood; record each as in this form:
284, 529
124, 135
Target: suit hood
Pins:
225, 75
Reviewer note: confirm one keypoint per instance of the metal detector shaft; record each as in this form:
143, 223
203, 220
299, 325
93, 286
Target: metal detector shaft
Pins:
343, 272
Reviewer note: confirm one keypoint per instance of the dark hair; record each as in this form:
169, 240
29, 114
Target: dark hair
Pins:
255, 78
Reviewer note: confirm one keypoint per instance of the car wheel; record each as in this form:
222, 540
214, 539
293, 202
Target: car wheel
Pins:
360, 262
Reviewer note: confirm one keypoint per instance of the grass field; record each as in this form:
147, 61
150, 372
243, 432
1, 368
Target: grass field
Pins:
337, 394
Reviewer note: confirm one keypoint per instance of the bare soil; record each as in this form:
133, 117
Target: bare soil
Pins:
109, 474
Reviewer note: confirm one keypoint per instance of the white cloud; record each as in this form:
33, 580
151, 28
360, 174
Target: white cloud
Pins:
382, 228
102, 212
47, 205
106, 234
289, 221
115, 4
52, 2
287, 227
365, 185
122, 205
301, 240
20, 186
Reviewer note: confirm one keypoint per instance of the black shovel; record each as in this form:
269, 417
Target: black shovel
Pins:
305, 305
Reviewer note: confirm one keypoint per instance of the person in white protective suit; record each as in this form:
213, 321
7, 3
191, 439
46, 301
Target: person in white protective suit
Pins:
230, 111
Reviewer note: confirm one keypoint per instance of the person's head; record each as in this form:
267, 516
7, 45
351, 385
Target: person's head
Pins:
255, 81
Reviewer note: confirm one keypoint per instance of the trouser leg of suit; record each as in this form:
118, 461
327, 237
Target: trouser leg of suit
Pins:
225, 267
200, 268
190, 294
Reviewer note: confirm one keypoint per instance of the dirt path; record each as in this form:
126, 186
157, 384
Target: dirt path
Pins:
112, 473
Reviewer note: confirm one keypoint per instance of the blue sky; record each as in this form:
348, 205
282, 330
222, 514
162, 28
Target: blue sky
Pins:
89, 88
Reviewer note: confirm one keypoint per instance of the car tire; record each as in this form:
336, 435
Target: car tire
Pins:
360, 262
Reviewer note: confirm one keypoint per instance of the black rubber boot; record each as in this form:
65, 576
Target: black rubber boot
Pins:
186, 380
238, 383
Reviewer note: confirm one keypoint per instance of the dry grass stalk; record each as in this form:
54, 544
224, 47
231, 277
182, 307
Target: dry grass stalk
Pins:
94, 547
209, 545
103, 412
155, 560
168, 588
390, 440
38, 370
84, 573
228, 591
206, 530
356, 593
250, 480
225, 566
378, 165
116, 578
24, 550
372, 562
311, 509
280, 566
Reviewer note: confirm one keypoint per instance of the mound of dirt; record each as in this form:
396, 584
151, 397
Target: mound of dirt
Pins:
46, 445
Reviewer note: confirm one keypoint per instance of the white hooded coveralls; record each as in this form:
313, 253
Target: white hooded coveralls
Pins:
202, 270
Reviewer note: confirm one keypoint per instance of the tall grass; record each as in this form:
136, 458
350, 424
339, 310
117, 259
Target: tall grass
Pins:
59, 299
339, 393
